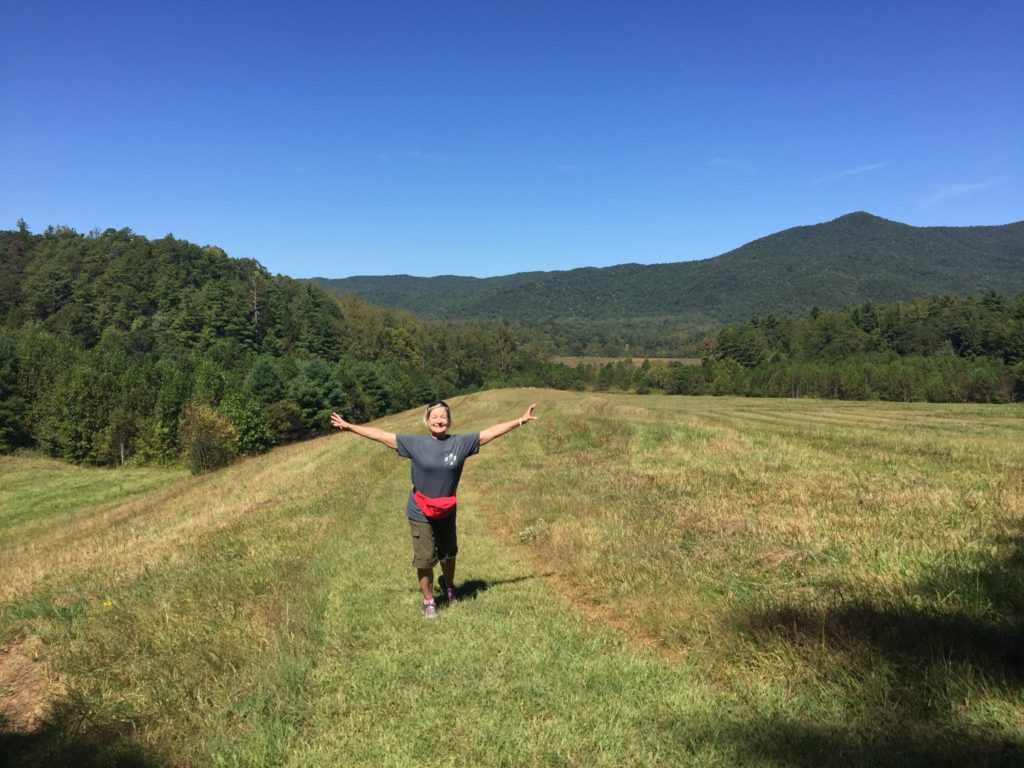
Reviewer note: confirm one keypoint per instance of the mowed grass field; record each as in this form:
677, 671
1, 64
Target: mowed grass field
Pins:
647, 581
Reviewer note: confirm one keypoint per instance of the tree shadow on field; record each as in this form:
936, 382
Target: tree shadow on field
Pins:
66, 738
914, 669
776, 741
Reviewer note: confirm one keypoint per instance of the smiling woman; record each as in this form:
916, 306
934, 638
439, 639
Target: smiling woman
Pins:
437, 461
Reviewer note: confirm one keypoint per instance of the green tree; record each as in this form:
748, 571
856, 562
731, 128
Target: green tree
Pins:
1017, 381
209, 381
158, 439
316, 392
727, 378
72, 413
285, 420
12, 404
253, 427
208, 439
687, 379
747, 345
117, 441
264, 381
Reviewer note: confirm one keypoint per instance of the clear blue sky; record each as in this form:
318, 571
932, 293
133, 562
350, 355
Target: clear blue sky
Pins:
486, 138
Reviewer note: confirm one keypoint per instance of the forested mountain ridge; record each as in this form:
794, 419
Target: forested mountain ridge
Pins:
855, 258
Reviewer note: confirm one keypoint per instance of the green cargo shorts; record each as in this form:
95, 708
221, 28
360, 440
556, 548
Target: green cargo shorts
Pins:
434, 541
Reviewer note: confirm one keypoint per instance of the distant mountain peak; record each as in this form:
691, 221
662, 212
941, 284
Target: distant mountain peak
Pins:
858, 216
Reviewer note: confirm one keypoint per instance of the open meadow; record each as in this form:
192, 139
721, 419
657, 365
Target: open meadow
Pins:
647, 580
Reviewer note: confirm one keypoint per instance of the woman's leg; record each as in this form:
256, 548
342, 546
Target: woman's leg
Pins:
424, 556
448, 569
426, 576
446, 536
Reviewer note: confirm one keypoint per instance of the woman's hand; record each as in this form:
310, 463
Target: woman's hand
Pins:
340, 423
504, 428
528, 416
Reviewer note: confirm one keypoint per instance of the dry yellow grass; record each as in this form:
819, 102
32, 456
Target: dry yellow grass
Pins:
663, 508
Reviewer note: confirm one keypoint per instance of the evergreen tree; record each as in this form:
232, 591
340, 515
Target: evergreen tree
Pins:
12, 404
264, 381
316, 392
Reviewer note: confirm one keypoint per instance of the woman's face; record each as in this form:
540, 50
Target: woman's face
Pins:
437, 421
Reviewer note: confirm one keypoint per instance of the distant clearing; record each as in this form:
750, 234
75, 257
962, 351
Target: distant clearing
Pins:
648, 581
583, 360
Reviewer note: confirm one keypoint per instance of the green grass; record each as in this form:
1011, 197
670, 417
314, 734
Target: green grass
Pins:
42, 491
649, 581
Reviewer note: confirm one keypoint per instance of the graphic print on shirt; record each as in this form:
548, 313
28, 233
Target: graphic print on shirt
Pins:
450, 459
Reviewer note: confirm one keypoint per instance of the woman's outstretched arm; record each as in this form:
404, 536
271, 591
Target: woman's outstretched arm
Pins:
505, 427
372, 433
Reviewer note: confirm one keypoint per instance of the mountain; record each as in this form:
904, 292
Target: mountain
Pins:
852, 259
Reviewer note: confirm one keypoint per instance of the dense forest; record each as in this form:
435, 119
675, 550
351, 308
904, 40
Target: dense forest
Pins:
117, 348
667, 309
937, 349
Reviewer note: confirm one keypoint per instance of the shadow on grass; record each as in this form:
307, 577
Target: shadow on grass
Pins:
917, 664
784, 743
472, 589
67, 739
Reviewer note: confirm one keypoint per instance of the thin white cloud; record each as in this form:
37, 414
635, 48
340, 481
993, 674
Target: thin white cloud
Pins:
952, 191
850, 172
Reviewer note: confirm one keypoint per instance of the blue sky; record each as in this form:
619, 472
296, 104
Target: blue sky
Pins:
486, 138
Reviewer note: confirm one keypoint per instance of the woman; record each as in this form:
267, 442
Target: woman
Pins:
437, 461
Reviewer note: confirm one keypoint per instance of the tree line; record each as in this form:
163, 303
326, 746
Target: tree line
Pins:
935, 349
115, 348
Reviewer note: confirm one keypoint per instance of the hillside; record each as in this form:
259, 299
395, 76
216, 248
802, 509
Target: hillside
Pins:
855, 258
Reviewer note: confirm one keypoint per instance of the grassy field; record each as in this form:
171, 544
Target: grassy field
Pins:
648, 581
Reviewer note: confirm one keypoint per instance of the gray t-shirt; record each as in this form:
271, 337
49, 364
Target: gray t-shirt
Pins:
436, 465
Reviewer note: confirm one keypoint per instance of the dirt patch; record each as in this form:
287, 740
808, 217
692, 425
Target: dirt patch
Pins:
26, 688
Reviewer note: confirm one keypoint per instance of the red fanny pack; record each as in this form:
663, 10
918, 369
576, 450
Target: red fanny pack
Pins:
434, 509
